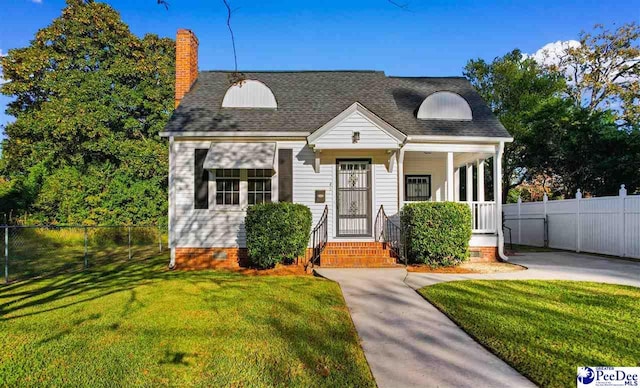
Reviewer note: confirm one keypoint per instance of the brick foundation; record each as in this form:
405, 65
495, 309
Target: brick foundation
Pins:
483, 255
357, 254
212, 258
209, 258
336, 255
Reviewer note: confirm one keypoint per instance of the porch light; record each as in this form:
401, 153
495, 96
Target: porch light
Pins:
355, 137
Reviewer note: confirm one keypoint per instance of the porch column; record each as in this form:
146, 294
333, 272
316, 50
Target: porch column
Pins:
456, 184
497, 184
450, 185
469, 183
480, 168
400, 156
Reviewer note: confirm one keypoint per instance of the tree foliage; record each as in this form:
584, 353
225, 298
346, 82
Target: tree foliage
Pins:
572, 134
603, 71
90, 98
515, 86
584, 148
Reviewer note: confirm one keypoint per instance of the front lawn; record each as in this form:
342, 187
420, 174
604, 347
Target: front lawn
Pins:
135, 323
546, 329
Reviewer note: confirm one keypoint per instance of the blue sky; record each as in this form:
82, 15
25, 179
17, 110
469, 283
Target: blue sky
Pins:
433, 38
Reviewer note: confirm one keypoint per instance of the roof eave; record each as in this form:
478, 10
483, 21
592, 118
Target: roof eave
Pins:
231, 134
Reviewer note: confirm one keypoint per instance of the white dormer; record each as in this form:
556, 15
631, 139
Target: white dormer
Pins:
445, 106
249, 94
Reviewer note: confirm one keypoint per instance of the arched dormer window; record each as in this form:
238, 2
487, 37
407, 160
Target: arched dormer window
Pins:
249, 94
445, 106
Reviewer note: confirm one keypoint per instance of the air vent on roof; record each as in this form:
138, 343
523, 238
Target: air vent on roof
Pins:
445, 106
249, 94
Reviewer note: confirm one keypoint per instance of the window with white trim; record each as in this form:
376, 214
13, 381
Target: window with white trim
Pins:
417, 187
228, 186
259, 186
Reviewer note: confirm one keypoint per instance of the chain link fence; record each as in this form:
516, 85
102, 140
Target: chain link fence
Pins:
31, 251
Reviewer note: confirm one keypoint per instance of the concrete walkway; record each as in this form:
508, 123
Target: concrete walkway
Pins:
409, 343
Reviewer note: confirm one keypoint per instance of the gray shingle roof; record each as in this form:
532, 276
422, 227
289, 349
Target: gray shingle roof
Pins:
309, 99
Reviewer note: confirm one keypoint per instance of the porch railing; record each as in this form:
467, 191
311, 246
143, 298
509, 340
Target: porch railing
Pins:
319, 237
391, 233
483, 217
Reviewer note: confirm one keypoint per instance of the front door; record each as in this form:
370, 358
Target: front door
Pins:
354, 198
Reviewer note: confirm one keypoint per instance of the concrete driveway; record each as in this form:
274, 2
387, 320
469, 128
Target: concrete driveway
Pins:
550, 266
409, 343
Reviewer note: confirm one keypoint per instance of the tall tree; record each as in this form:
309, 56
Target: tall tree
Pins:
584, 148
515, 86
603, 70
89, 100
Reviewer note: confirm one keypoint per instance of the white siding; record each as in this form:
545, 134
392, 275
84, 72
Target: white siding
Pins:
224, 226
371, 136
435, 164
214, 227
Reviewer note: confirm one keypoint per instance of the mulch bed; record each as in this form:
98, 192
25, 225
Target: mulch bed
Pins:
468, 268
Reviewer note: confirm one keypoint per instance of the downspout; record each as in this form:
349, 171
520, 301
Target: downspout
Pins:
498, 198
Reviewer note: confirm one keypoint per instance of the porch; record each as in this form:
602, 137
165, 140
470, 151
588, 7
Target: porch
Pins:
451, 172
370, 187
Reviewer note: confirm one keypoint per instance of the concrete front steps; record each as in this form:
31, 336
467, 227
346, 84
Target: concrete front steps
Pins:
366, 254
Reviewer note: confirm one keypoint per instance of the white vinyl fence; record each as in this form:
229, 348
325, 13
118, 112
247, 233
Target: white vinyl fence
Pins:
606, 225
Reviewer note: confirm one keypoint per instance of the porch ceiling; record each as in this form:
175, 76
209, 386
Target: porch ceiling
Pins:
459, 158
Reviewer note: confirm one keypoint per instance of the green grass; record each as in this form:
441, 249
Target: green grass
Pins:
40, 251
545, 329
134, 323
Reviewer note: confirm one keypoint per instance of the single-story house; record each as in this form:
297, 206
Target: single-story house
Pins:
343, 143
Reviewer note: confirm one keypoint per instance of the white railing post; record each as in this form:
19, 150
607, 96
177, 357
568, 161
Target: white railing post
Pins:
483, 217
622, 193
545, 226
578, 222
519, 220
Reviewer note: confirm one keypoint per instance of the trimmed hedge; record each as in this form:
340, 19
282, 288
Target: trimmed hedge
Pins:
437, 233
277, 233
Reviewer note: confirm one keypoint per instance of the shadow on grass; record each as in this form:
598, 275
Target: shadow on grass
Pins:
95, 282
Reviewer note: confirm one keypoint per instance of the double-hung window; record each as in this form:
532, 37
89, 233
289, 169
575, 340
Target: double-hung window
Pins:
259, 185
417, 188
228, 187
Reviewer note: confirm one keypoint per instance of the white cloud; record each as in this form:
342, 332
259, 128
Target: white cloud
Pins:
2, 80
551, 53
37, 1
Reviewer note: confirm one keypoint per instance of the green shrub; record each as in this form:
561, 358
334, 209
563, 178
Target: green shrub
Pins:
277, 232
437, 233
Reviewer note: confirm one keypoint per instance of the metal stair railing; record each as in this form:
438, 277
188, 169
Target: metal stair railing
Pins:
389, 232
319, 237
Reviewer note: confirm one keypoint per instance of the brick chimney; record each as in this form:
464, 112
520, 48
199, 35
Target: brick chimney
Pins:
186, 62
